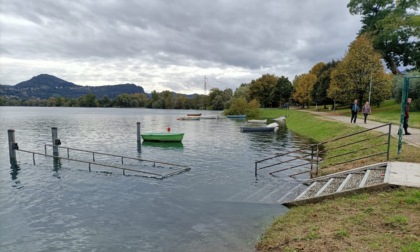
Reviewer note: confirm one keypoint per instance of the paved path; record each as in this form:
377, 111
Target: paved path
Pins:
413, 139
402, 173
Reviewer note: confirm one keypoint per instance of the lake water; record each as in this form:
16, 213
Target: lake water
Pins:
216, 206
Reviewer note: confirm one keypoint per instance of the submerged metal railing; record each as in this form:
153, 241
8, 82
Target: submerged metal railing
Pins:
140, 172
321, 149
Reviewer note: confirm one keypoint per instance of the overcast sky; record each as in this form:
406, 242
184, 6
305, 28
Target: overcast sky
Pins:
170, 44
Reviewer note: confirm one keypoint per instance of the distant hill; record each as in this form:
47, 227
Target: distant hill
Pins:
45, 86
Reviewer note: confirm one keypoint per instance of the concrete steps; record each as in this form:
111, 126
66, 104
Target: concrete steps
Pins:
361, 179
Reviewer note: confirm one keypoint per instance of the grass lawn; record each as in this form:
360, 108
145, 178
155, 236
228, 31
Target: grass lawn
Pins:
380, 221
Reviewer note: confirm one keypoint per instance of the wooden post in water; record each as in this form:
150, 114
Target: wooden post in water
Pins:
12, 146
54, 142
138, 137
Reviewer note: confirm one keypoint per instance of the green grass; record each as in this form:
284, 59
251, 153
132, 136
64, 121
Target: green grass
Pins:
378, 221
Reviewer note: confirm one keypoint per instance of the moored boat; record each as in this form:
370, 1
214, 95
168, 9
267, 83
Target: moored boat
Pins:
272, 127
258, 121
197, 114
189, 118
163, 137
209, 117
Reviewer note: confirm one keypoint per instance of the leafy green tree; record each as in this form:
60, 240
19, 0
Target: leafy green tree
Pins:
105, 102
88, 100
319, 92
414, 88
242, 91
261, 89
180, 101
360, 69
282, 92
394, 26
239, 106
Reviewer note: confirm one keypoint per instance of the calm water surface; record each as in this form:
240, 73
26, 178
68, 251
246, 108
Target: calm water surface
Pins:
45, 207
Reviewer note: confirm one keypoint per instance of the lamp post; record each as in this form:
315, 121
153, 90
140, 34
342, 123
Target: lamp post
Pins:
370, 85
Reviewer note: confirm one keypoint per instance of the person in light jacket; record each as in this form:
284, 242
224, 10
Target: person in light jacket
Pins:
366, 110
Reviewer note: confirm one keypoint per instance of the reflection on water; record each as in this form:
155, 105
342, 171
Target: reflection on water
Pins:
217, 205
172, 145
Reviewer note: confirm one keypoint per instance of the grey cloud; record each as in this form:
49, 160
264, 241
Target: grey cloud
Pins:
283, 36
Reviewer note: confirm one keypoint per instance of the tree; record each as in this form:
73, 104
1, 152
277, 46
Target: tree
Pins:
282, 92
319, 92
88, 100
303, 85
394, 27
239, 106
242, 91
360, 69
413, 91
261, 89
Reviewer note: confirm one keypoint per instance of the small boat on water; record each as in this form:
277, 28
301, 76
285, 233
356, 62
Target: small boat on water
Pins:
197, 114
189, 118
209, 117
163, 137
258, 121
280, 119
236, 116
272, 127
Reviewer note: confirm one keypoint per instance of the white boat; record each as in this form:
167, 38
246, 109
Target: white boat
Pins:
272, 127
189, 118
209, 117
280, 119
258, 121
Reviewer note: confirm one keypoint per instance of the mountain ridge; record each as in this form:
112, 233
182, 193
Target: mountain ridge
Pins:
44, 86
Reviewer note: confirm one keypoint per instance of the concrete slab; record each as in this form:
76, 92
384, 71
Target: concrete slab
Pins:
403, 174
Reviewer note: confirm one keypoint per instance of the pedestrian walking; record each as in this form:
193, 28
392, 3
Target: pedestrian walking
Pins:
354, 109
366, 110
406, 116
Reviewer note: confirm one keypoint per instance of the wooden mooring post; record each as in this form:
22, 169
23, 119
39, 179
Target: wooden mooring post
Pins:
55, 141
138, 137
13, 146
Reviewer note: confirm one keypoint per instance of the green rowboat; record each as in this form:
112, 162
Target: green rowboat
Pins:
163, 137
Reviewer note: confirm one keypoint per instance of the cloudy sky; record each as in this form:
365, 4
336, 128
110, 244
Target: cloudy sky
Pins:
167, 44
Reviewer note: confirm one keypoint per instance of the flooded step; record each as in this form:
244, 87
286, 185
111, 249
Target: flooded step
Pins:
280, 192
312, 190
293, 193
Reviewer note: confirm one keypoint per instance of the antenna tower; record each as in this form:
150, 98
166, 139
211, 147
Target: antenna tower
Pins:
205, 84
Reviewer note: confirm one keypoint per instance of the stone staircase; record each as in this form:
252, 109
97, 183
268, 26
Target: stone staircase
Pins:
367, 178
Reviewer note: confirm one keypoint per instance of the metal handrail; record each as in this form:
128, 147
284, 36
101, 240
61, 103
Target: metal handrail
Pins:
315, 152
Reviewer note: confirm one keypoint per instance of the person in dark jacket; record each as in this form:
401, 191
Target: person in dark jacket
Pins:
354, 109
406, 116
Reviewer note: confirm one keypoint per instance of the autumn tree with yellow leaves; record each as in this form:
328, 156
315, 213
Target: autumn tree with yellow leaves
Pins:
303, 86
360, 72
